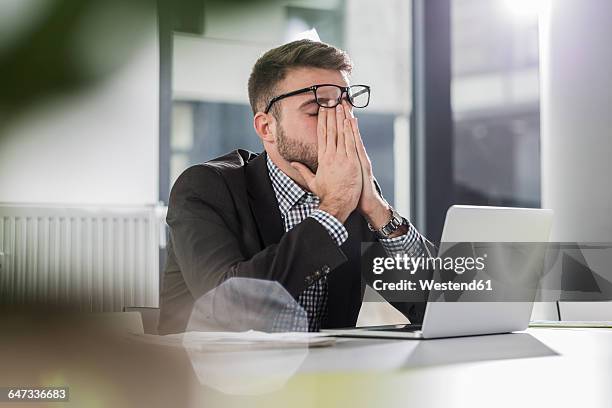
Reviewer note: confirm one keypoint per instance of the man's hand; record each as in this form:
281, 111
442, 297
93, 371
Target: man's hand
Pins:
371, 204
338, 182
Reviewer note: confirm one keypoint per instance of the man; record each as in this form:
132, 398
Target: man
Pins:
296, 213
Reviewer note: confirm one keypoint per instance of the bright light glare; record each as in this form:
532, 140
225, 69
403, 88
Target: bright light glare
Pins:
527, 8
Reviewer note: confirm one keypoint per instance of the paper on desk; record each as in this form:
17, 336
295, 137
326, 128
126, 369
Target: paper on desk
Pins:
571, 324
224, 341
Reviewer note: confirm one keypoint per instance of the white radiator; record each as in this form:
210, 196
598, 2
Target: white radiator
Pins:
99, 259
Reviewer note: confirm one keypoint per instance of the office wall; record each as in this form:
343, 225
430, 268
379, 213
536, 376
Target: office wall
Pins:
96, 146
576, 61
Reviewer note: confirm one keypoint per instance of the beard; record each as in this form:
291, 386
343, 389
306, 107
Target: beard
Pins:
297, 151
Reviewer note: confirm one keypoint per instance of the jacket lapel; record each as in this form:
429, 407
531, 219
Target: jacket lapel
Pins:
263, 201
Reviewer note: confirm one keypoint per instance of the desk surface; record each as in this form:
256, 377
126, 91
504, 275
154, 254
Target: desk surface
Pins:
540, 367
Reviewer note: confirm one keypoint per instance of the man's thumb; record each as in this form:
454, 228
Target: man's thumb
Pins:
304, 172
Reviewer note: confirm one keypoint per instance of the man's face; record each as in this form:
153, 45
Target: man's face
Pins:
296, 132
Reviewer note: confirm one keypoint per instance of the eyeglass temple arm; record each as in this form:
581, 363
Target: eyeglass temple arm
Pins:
279, 97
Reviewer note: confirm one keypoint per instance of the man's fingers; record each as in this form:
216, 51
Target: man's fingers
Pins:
321, 131
358, 141
340, 116
331, 132
363, 155
351, 146
340, 129
348, 109
306, 174
349, 139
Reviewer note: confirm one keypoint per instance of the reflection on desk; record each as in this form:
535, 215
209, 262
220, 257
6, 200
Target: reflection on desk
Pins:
401, 354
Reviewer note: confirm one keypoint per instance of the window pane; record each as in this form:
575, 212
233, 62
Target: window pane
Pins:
495, 101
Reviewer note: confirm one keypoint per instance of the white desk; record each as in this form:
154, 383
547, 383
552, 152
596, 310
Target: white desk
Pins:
541, 368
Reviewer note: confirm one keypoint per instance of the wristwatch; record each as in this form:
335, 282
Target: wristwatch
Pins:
389, 228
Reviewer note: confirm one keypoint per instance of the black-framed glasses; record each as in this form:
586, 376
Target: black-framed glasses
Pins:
330, 96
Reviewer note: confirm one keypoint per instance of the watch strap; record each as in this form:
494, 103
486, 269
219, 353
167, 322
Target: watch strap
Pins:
395, 222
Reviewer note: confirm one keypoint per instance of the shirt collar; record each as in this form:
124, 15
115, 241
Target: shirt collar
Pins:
287, 191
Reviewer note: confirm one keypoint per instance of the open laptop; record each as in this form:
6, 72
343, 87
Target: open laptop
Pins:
451, 319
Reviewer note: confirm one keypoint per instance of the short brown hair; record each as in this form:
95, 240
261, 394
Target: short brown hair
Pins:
272, 67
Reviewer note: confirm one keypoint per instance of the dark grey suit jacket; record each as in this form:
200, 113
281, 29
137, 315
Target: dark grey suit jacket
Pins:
225, 222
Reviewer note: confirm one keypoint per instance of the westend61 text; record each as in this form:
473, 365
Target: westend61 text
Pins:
406, 285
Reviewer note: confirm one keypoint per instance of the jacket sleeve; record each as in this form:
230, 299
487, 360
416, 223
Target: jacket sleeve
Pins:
208, 251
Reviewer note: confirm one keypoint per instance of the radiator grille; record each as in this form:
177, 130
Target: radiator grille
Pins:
98, 259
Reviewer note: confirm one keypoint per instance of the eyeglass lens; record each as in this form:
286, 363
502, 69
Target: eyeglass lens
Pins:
328, 96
